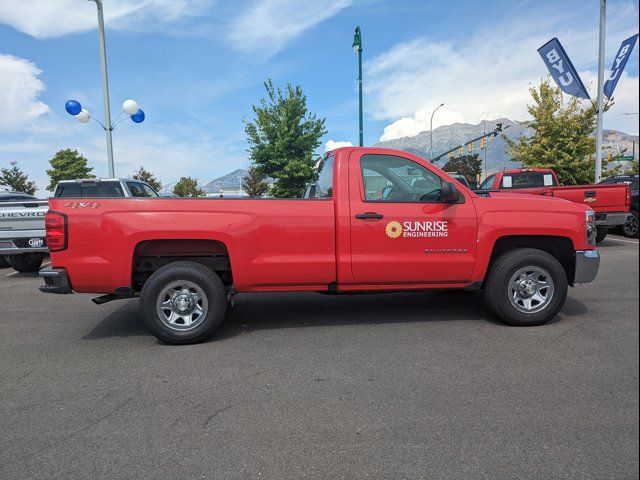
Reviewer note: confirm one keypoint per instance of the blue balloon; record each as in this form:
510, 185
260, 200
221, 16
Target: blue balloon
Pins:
138, 117
73, 107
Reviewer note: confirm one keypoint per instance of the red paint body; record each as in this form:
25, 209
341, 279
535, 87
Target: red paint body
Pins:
601, 198
297, 245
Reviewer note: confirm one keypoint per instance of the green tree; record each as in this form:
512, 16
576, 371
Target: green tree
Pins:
634, 168
283, 138
68, 165
562, 136
468, 165
146, 176
16, 179
187, 187
255, 183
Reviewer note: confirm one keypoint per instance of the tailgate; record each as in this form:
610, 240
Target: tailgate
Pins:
601, 198
20, 216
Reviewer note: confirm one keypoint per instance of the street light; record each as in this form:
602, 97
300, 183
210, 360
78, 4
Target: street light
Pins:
357, 48
431, 131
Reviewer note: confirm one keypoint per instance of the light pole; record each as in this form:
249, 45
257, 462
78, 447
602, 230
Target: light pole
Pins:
357, 47
105, 88
431, 131
603, 21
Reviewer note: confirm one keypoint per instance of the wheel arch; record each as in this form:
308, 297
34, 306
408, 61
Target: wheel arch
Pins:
561, 248
150, 255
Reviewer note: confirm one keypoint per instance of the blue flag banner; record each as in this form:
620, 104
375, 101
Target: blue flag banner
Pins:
618, 64
561, 69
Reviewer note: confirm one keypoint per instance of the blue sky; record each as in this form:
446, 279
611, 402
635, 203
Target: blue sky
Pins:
197, 66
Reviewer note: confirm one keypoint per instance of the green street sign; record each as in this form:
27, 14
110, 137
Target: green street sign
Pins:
626, 158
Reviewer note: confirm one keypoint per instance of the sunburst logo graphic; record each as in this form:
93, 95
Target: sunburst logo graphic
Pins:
393, 229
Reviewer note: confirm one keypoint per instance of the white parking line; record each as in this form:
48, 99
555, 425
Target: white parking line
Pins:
622, 240
11, 274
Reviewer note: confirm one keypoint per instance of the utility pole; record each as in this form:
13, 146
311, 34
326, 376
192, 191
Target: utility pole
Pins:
105, 88
603, 19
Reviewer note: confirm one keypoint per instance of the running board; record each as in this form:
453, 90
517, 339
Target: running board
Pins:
120, 294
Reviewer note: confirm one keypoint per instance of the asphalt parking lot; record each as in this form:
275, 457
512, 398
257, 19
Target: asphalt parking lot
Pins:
407, 385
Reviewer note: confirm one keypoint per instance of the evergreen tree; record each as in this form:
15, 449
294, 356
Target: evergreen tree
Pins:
563, 136
146, 176
283, 138
68, 165
16, 180
468, 165
255, 183
187, 187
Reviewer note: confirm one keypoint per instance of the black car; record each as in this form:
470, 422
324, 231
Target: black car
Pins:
15, 196
632, 227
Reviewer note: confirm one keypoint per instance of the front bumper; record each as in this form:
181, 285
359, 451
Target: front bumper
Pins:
56, 280
587, 265
611, 219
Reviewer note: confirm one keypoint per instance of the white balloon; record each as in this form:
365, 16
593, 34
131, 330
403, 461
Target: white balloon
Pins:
130, 106
83, 116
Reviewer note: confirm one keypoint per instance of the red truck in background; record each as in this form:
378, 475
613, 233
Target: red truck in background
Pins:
611, 203
376, 220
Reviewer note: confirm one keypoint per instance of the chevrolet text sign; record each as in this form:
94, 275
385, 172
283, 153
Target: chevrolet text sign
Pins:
561, 69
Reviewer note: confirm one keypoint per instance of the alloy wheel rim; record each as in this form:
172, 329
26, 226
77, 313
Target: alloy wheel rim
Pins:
531, 289
182, 305
632, 224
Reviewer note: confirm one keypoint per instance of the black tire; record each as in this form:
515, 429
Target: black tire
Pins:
632, 226
602, 234
194, 273
497, 288
4, 263
26, 262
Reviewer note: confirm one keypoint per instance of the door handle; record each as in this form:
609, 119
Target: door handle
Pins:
590, 194
368, 215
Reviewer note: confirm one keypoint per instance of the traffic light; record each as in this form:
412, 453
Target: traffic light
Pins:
460, 151
483, 142
471, 147
451, 154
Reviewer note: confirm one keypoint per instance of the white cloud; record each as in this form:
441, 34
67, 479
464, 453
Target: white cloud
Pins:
20, 88
421, 121
266, 26
489, 74
332, 145
54, 18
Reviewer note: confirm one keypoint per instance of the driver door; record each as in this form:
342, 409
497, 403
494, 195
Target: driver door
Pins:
401, 230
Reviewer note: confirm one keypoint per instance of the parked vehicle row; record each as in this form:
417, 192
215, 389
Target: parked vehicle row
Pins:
631, 227
610, 202
23, 243
376, 220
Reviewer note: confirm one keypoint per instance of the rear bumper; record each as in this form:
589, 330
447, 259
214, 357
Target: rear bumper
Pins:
587, 266
14, 246
56, 280
611, 219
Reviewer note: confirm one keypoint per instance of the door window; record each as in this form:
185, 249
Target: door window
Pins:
387, 178
488, 183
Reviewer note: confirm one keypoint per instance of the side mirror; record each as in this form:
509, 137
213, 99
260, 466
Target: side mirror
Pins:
450, 193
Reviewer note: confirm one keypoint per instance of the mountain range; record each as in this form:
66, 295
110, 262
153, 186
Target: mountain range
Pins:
444, 138
497, 154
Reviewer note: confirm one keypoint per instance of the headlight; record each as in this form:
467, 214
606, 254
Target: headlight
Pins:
592, 230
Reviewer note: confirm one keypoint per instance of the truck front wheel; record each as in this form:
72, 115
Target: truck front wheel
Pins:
526, 287
26, 262
183, 303
3, 261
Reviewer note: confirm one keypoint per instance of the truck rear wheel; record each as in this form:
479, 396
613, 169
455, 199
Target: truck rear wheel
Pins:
26, 262
526, 287
3, 261
632, 225
183, 303
602, 234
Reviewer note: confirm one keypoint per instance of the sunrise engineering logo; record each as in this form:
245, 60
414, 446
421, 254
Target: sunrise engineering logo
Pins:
426, 229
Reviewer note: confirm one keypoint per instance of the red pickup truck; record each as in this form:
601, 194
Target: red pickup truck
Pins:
377, 220
611, 205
